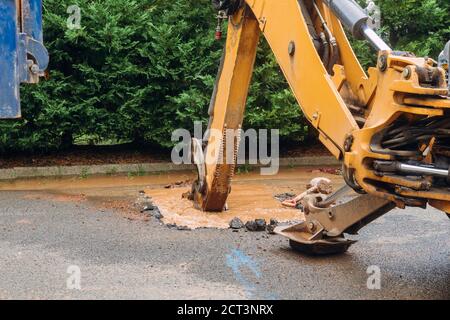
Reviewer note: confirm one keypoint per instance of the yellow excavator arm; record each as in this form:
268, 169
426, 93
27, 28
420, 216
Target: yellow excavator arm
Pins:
389, 127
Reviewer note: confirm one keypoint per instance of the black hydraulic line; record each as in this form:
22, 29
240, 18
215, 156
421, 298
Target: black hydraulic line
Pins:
311, 29
334, 48
326, 50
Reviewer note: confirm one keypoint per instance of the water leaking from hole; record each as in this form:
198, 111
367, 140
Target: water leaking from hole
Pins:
252, 195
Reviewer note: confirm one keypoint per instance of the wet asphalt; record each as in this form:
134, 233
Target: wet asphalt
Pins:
44, 243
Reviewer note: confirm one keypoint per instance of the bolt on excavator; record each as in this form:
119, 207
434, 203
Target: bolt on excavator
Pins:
390, 127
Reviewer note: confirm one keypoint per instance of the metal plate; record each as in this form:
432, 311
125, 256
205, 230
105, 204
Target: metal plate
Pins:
321, 249
300, 239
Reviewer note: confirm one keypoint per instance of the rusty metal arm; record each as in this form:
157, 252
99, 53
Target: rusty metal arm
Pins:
227, 111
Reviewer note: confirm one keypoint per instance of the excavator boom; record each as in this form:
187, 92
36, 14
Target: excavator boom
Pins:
390, 127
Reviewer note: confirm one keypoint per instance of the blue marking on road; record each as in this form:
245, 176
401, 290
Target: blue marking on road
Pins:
237, 261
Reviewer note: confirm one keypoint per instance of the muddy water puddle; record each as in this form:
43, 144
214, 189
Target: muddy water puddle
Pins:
247, 202
96, 186
252, 195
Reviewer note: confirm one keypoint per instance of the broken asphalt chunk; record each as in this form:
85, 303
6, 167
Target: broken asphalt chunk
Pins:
236, 224
256, 225
271, 227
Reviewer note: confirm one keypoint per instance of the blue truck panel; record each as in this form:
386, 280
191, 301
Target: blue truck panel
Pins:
23, 57
32, 19
9, 52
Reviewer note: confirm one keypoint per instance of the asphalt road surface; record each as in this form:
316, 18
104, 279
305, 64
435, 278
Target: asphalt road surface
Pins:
54, 249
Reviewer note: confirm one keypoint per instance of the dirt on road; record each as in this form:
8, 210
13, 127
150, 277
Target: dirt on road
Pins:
252, 196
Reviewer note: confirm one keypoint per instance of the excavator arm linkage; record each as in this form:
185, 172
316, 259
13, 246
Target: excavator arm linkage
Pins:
390, 127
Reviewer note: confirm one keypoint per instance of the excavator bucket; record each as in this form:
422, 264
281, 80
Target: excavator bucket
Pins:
343, 212
300, 239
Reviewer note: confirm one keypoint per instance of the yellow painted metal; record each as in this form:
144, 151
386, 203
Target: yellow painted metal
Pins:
441, 205
383, 95
384, 110
436, 102
229, 106
357, 79
283, 23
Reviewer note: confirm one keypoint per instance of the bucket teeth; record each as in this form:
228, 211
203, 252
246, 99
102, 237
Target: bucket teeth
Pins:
225, 169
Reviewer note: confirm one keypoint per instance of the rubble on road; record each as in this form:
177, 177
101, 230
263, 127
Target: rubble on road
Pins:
284, 196
180, 228
256, 225
179, 184
157, 214
236, 224
145, 204
271, 227
333, 171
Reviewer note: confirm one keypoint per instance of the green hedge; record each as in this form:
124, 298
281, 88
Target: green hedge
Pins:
137, 70
418, 26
